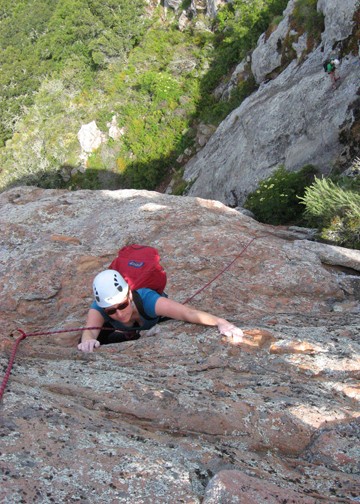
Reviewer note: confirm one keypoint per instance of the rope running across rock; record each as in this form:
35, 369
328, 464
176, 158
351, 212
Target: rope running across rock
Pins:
47, 333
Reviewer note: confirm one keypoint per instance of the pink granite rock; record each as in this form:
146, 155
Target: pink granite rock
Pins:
154, 420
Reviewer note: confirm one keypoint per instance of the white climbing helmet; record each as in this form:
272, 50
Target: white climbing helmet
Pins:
109, 288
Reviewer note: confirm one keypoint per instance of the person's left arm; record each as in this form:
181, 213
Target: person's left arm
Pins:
166, 307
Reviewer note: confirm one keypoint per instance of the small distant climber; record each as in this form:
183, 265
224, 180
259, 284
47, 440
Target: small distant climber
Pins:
330, 68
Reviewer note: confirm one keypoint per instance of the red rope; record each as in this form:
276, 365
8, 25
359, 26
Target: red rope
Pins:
23, 336
45, 333
225, 269
11, 362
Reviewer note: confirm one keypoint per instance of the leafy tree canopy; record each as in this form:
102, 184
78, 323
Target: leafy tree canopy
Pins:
38, 37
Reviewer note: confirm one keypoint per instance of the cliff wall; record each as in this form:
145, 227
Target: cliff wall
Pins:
294, 118
180, 415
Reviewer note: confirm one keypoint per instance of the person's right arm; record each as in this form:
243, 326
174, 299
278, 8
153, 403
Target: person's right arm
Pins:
166, 307
89, 336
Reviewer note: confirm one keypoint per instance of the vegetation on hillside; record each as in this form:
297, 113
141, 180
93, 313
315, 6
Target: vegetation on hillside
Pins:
90, 60
236, 31
42, 38
306, 18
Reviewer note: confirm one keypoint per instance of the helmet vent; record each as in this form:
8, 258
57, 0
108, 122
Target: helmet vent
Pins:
97, 297
117, 285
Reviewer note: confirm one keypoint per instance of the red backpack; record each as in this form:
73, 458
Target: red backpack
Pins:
140, 266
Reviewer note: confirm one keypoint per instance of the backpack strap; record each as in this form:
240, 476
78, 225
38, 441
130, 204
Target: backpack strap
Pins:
139, 305
140, 308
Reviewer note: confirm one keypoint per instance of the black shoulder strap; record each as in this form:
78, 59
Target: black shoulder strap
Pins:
140, 308
139, 305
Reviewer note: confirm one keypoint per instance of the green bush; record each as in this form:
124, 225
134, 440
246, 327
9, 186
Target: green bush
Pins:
221, 109
343, 231
276, 199
325, 199
335, 209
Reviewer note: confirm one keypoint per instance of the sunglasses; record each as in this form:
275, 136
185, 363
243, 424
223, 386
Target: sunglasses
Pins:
121, 306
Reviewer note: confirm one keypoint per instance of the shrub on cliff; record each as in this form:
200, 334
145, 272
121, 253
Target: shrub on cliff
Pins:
276, 199
306, 18
334, 207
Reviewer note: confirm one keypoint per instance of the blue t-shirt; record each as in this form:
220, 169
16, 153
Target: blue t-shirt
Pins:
148, 298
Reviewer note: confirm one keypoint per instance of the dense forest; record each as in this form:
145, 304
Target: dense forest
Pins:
66, 63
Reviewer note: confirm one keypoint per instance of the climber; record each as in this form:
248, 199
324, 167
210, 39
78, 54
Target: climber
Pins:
129, 312
331, 67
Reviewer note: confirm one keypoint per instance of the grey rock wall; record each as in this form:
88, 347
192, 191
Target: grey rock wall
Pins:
267, 55
294, 119
338, 20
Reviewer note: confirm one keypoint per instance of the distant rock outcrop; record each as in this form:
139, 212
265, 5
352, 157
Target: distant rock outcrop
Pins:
294, 119
180, 415
208, 7
90, 138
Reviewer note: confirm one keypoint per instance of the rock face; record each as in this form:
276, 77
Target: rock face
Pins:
172, 4
90, 138
180, 415
338, 17
209, 7
294, 119
267, 57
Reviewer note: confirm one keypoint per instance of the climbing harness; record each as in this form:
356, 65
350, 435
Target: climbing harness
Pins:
77, 329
